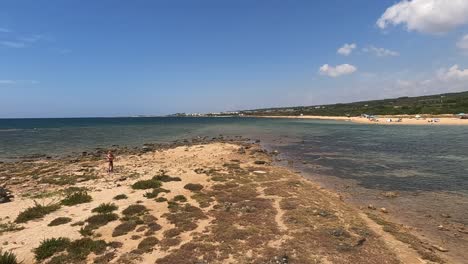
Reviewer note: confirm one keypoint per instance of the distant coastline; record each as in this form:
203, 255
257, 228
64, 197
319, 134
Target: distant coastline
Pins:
386, 119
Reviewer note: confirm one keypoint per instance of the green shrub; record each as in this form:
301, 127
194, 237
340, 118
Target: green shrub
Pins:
160, 199
120, 197
147, 244
180, 198
8, 258
86, 231
49, 247
9, 227
60, 221
36, 212
134, 209
166, 178
146, 184
96, 221
194, 187
80, 249
124, 228
155, 192
78, 197
105, 208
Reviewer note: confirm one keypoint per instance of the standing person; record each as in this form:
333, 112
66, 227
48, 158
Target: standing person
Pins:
110, 159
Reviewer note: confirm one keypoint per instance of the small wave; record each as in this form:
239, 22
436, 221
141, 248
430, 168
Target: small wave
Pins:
11, 129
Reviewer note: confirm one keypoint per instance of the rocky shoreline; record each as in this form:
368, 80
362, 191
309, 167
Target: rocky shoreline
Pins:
203, 200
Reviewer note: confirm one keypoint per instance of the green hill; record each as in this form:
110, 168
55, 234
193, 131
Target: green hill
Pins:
450, 103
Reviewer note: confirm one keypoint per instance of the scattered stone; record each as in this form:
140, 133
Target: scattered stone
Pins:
199, 171
259, 172
81, 179
442, 228
275, 152
260, 162
371, 206
123, 178
439, 248
390, 194
384, 210
445, 215
146, 148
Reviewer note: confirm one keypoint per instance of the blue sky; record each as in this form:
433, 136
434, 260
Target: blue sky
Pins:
116, 58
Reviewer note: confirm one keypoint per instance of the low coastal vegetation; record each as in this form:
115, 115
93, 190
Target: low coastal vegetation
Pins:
146, 184
7, 257
77, 197
75, 251
105, 208
50, 246
194, 187
36, 212
166, 178
9, 227
155, 192
60, 221
120, 197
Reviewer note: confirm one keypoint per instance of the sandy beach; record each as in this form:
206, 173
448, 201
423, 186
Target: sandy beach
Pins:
214, 202
385, 120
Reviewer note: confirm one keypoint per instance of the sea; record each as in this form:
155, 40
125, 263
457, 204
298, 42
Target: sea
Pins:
425, 167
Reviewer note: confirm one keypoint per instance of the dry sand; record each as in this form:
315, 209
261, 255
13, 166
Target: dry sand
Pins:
248, 211
383, 120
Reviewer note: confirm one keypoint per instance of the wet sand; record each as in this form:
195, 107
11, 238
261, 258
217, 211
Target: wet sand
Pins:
244, 210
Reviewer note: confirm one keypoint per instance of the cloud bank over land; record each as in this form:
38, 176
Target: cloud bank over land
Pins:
343, 69
427, 16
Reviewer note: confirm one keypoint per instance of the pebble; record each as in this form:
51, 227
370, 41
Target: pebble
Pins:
370, 206
259, 172
442, 228
384, 210
390, 194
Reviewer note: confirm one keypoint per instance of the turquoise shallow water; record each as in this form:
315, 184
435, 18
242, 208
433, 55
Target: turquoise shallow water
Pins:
408, 158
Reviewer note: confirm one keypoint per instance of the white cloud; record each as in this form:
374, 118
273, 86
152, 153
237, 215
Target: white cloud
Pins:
18, 82
428, 16
462, 44
346, 49
342, 69
453, 74
32, 38
381, 52
13, 44
4, 30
